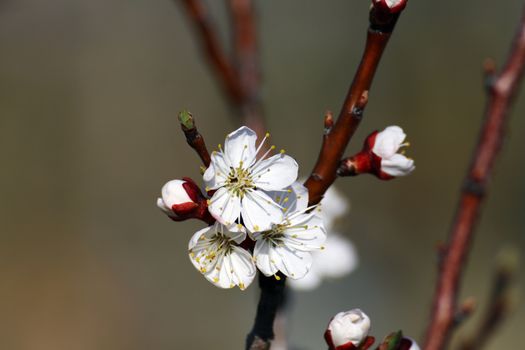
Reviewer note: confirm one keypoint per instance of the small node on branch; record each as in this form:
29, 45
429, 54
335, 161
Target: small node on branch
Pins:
465, 310
359, 107
193, 137
347, 167
489, 73
328, 122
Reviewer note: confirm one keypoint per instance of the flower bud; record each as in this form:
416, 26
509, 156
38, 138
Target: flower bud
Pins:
182, 199
392, 6
347, 330
408, 343
380, 156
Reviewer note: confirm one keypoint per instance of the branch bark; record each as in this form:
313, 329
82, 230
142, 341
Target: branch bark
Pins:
193, 137
246, 61
211, 46
336, 138
501, 90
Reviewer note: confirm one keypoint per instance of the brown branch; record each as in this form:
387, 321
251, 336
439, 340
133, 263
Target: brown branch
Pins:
502, 88
193, 137
217, 59
246, 58
500, 303
336, 138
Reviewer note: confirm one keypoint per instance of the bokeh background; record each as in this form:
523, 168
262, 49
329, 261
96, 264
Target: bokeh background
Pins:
89, 93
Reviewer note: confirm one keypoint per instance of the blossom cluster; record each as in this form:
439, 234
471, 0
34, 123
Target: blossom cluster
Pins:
258, 214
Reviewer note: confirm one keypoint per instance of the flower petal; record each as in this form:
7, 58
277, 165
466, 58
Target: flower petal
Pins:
240, 146
263, 259
307, 235
397, 165
338, 259
310, 281
334, 205
292, 199
217, 172
259, 211
291, 262
225, 207
275, 173
388, 141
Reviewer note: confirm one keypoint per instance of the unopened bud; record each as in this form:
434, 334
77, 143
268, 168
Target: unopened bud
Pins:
408, 343
392, 6
182, 199
347, 329
383, 147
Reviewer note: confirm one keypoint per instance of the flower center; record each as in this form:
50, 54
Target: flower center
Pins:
239, 181
275, 235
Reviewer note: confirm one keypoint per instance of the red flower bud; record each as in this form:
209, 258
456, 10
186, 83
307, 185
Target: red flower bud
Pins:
182, 200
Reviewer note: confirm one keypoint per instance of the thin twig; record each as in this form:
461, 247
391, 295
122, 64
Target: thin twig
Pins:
336, 139
501, 90
246, 58
193, 137
220, 64
500, 302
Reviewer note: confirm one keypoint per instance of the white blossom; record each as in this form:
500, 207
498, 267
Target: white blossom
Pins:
387, 144
242, 181
338, 259
286, 246
215, 253
334, 206
350, 326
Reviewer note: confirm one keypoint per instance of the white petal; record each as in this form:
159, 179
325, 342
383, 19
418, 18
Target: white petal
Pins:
338, 259
259, 211
240, 146
291, 262
162, 206
293, 198
197, 245
174, 193
334, 205
217, 172
243, 267
388, 141
275, 173
397, 165
307, 235
311, 281
263, 259
225, 207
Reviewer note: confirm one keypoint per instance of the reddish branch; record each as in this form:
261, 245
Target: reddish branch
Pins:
240, 77
501, 90
336, 138
247, 64
193, 137
217, 59
499, 306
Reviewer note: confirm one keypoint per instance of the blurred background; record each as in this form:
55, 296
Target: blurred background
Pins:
89, 93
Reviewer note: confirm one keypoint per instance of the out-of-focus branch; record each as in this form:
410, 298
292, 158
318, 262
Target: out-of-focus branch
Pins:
336, 138
246, 61
499, 305
501, 90
193, 137
220, 64
240, 77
